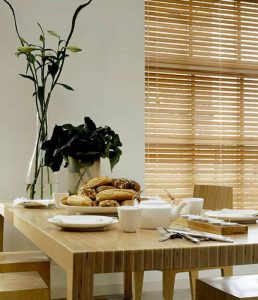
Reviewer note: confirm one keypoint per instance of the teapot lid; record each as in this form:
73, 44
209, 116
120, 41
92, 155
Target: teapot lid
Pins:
154, 203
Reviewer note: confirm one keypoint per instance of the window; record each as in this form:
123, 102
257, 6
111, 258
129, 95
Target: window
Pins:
201, 104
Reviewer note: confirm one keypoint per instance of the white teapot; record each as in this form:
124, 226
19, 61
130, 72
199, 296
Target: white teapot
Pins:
156, 212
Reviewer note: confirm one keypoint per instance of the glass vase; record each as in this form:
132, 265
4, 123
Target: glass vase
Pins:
41, 180
77, 177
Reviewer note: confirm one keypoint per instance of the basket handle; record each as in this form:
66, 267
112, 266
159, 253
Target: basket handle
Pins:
135, 197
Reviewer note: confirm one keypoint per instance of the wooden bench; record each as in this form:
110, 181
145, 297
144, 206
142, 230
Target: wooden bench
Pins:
23, 286
228, 288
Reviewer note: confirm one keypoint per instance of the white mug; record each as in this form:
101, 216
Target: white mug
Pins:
129, 217
58, 198
194, 206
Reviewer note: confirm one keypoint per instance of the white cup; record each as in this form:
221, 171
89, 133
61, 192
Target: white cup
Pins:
194, 206
129, 217
58, 197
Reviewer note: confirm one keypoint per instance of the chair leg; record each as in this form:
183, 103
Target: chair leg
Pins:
226, 271
137, 285
128, 285
168, 284
193, 275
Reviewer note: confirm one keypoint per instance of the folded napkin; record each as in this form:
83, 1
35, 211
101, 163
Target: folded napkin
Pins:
22, 200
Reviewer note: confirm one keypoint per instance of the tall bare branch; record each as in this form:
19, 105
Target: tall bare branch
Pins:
15, 21
75, 15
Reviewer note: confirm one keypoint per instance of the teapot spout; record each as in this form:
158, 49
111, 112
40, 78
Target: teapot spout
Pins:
176, 209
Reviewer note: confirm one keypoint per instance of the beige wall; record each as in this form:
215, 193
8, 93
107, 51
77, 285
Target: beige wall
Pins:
108, 78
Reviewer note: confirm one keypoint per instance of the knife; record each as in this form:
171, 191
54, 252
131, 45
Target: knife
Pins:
190, 238
211, 236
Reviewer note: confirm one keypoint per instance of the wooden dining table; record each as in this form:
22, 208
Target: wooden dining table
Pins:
83, 254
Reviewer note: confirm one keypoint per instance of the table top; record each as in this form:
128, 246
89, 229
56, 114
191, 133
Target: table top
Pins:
114, 250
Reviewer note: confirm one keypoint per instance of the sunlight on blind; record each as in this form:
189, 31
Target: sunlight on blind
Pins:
201, 106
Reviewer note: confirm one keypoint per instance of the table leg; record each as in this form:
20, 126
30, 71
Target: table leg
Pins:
80, 289
80, 277
127, 285
168, 282
1, 233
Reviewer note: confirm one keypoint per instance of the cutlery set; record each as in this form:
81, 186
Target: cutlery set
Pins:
195, 237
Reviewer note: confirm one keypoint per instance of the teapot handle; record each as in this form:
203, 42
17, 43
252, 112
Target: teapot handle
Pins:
136, 196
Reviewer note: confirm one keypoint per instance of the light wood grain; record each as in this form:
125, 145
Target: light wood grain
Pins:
1, 233
218, 229
127, 285
215, 197
228, 288
81, 254
23, 286
24, 261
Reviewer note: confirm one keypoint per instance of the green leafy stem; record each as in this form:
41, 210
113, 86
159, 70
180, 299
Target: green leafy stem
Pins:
43, 67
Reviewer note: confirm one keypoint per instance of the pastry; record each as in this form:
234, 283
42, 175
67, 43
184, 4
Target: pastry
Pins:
98, 181
115, 194
85, 190
75, 200
104, 187
127, 203
64, 200
108, 203
123, 183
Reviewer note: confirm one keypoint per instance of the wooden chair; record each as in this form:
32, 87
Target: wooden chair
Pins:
215, 197
23, 286
228, 288
23, 274
26, 261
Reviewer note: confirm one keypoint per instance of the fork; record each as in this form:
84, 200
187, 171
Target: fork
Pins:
162, 230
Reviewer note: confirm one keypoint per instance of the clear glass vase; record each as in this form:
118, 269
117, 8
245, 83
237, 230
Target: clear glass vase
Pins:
41, 180
77, 176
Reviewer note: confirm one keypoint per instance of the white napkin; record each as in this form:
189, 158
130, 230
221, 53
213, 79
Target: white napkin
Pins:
18, 201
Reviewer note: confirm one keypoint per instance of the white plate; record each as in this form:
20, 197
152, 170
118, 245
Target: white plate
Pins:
82, 222
36, 204
89, 209
234, 215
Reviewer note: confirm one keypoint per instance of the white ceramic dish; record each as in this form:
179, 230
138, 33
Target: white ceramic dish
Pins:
234, 215
89, 209
82, 222
36, 204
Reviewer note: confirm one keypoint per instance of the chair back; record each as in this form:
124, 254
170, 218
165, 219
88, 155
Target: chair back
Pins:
215, 197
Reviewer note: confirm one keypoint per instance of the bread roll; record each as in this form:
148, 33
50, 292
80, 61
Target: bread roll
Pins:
85, 190
103, 188
115, 194
98, 181
123, 183
64, 200
127, 203
108, 203
75, 200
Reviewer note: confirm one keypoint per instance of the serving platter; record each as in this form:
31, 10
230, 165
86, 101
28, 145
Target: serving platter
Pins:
83, 210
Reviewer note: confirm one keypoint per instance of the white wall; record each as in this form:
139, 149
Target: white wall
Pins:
108, 78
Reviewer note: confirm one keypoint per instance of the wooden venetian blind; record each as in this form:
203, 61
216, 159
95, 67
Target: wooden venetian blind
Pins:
201, 104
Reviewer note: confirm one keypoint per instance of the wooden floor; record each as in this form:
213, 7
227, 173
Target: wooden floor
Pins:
179, 295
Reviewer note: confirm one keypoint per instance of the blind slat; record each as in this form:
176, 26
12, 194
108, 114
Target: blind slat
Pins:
201, 96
